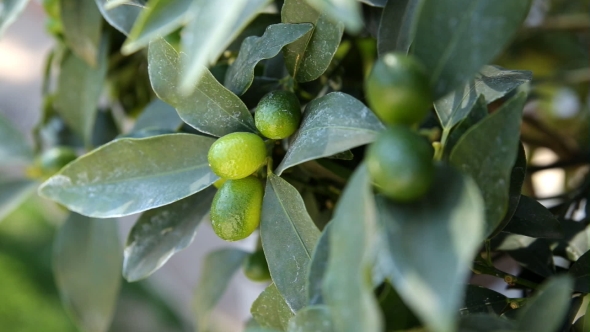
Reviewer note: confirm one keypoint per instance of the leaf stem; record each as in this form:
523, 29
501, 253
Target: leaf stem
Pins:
510, 279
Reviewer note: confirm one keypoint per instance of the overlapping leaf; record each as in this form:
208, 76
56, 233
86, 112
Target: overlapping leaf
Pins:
288, 237
347, 285
430, 253
160, 233
217, 271
87, 268
310, 56
158, 115
455, 38
346, 11
270, 309
82, 24
213, 27
397, 26
482, 300
254, 49
312, 318
487, 152
534, 220
121, 17
9, 12
130, 175
317, 267
210, 108
331, 124
580, 270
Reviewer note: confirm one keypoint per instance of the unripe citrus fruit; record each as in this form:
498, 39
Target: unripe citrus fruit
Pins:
236, 207
278, 114
256, 267
237, 155
398, 90
400, 163
52, 160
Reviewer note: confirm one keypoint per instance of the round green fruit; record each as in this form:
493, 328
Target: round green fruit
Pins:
256, 267
278, 114
52, 160
237, 155
236, 207
400, 164
398, 90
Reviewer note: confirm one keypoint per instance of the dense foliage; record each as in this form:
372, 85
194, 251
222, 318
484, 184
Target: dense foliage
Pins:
383, 149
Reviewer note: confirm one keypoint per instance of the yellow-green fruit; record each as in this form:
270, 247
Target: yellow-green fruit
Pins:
236, 207
52, 160
237, 155
256, 267
398, 90
278, 114
400, 164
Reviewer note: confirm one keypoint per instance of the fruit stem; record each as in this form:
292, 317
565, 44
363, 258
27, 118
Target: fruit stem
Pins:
268, 166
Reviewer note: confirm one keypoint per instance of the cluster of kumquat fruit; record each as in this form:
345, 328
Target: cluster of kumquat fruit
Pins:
400, 160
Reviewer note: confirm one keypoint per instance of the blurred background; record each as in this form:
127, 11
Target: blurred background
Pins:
554, 45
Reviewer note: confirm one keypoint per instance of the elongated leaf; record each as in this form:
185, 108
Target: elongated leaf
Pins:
534, 220
309, 57
331, 124
217, 271
397, 26
9, 11
254, 49
111, 4
13, 146
82, 24
455, 38
288, 237
492, 82
398, 317
482, 300
159, 19
347, 286
478, 112
131, 175
158, 115
317, 267
214, 25
536, 257
374, 3
79, 88
160, 233
346, 11
545, 311
430, 253
490, 161
580, 270
121, 17
13, 193
270, 309
210, 108
87, 267
485, 323
312, 318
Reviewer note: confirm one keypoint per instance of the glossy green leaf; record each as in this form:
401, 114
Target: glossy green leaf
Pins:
79, 89
309, 57
211, 29
158, 115
13, 146
240, 74
87, 257
374, 3
489, 161
430, 253
331, 124
121, 17
479, 110
580, 270
347, 285
82, 25
270, 309
534, 220
288, 237
160, 18
455, 38
485, 323
397, 25
210, 108
9, 11
492, 82
545, 311
217, 271
13, 193
348, 12
317, 267
312, 318
537, 257
482, 300
162, 232
132, 175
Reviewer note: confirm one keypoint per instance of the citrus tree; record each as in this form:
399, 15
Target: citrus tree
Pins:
375, 148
